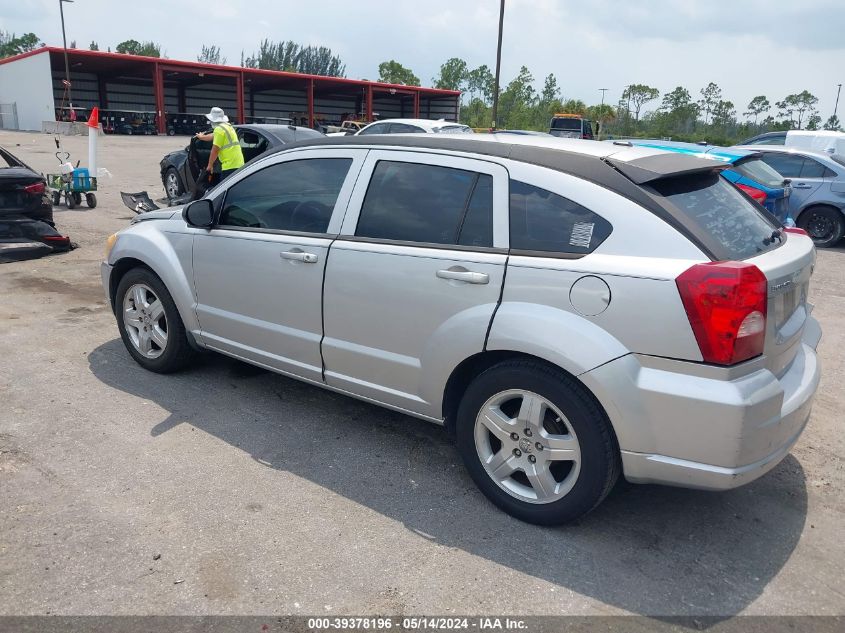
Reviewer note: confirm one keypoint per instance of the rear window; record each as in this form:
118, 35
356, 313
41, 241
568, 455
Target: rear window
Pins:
758, 171
573, 125
719, 211
455, 129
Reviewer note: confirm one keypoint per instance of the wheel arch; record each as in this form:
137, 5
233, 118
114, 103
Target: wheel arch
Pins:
817, 205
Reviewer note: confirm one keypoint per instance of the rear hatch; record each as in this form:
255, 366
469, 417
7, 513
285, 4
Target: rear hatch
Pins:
732, 228
13, 195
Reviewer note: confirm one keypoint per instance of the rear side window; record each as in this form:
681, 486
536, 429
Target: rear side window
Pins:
544, 221
429, 204
814, 169
787, 165
722, 213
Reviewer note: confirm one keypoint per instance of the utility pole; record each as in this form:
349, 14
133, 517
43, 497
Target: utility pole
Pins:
64, 42
498, 66
836, 107
601, 113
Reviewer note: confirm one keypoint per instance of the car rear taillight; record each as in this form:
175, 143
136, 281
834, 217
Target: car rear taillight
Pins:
796, 230
36, 187
55, 238
756, 194
726, 306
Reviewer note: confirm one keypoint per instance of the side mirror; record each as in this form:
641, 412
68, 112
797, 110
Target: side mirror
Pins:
199, 214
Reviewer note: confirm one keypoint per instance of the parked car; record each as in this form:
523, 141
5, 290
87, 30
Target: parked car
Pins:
767, 138
347, 127
571, 126
180, 169
521, 132
747, 171
33, 230
410, 126
570, 310
818, 190
23, 191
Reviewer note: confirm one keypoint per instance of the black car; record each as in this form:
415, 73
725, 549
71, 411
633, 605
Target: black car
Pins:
180, 169
23, 191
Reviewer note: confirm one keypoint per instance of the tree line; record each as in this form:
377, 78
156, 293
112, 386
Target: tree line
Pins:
638, 113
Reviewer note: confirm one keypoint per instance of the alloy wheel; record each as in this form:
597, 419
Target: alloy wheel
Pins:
527, 446
172, 185
145, 320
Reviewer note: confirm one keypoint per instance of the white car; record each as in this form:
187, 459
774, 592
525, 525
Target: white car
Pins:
410, 126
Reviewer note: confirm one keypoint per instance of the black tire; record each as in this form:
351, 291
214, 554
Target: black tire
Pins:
599, 451
180, 186
91, 200
77, 198
824, 225
56, 197
177, 353
70, 200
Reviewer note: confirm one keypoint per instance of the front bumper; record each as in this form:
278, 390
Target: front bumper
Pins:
696, 431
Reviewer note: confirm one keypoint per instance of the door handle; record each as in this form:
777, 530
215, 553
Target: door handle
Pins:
802, 185
464, 275
299, 256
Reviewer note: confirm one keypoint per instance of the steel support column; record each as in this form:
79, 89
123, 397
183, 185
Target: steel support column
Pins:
369, 104
158, 89
239, 88
309, 88
416, 104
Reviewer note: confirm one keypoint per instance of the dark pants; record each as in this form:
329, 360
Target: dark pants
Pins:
224, 173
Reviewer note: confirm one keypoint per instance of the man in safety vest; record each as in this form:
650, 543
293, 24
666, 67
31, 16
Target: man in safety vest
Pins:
225, 145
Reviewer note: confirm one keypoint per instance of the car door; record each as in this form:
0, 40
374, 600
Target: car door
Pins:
413, 279
258, 273
802, 171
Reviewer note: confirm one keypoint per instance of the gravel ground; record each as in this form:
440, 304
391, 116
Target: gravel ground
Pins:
230, 490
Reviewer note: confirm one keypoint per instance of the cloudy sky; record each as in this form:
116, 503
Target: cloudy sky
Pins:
748, 47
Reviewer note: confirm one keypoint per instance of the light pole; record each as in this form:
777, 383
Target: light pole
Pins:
64, 43
601, 112
498, 65
836, 107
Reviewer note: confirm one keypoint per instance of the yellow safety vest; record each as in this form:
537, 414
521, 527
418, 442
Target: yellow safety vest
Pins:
229, 149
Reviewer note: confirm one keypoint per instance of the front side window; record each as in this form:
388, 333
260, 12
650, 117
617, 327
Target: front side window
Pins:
294, 196
787, 165
429, 204
544, 221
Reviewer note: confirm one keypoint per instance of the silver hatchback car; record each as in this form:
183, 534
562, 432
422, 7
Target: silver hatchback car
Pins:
570, 310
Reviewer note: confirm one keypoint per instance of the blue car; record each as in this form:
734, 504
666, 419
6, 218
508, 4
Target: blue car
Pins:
747, 171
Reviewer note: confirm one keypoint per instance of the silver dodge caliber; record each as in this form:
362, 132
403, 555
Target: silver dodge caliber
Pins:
569, 310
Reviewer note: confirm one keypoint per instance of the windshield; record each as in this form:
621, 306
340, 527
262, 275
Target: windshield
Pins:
722, 213
566, 124
455, 129
758, 171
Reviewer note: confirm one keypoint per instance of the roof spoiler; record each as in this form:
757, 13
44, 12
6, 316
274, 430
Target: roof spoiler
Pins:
659, 166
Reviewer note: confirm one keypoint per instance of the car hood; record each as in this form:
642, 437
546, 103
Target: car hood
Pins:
158, 214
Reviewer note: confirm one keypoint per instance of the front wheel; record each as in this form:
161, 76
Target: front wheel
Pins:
91, 200
173, 184
536, 442
824, 225
149, 323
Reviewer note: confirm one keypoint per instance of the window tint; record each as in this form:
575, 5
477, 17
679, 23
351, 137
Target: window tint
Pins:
543, 221
294, 196
455, 129
405, 128
376, 128
426, 203
566, 123
814, 169
786, 165
722, 212
769, 140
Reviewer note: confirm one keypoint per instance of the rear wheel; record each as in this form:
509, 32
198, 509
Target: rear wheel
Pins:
56, 198
91, 200
825, 225
70, 200
149, 323
77, 198
536, 442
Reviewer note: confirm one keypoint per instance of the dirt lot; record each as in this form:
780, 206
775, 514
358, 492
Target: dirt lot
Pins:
230, 490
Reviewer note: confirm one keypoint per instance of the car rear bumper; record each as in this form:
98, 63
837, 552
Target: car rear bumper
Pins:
105, 275
699, 432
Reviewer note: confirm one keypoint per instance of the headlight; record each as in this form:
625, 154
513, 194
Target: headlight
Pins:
110, 242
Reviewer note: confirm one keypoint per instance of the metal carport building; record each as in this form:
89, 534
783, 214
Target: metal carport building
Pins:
33, 82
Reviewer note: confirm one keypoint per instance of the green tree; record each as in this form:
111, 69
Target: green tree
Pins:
10, 44
481, 82
292, 57
814, 122
134, 47
723, 113
757, 106
711, 94
392, 72
93, 46
832, 124
638, 95
516, 101
211, 55
574, 106
319, 60
454, 75
800, 104
603, 114
550, 92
